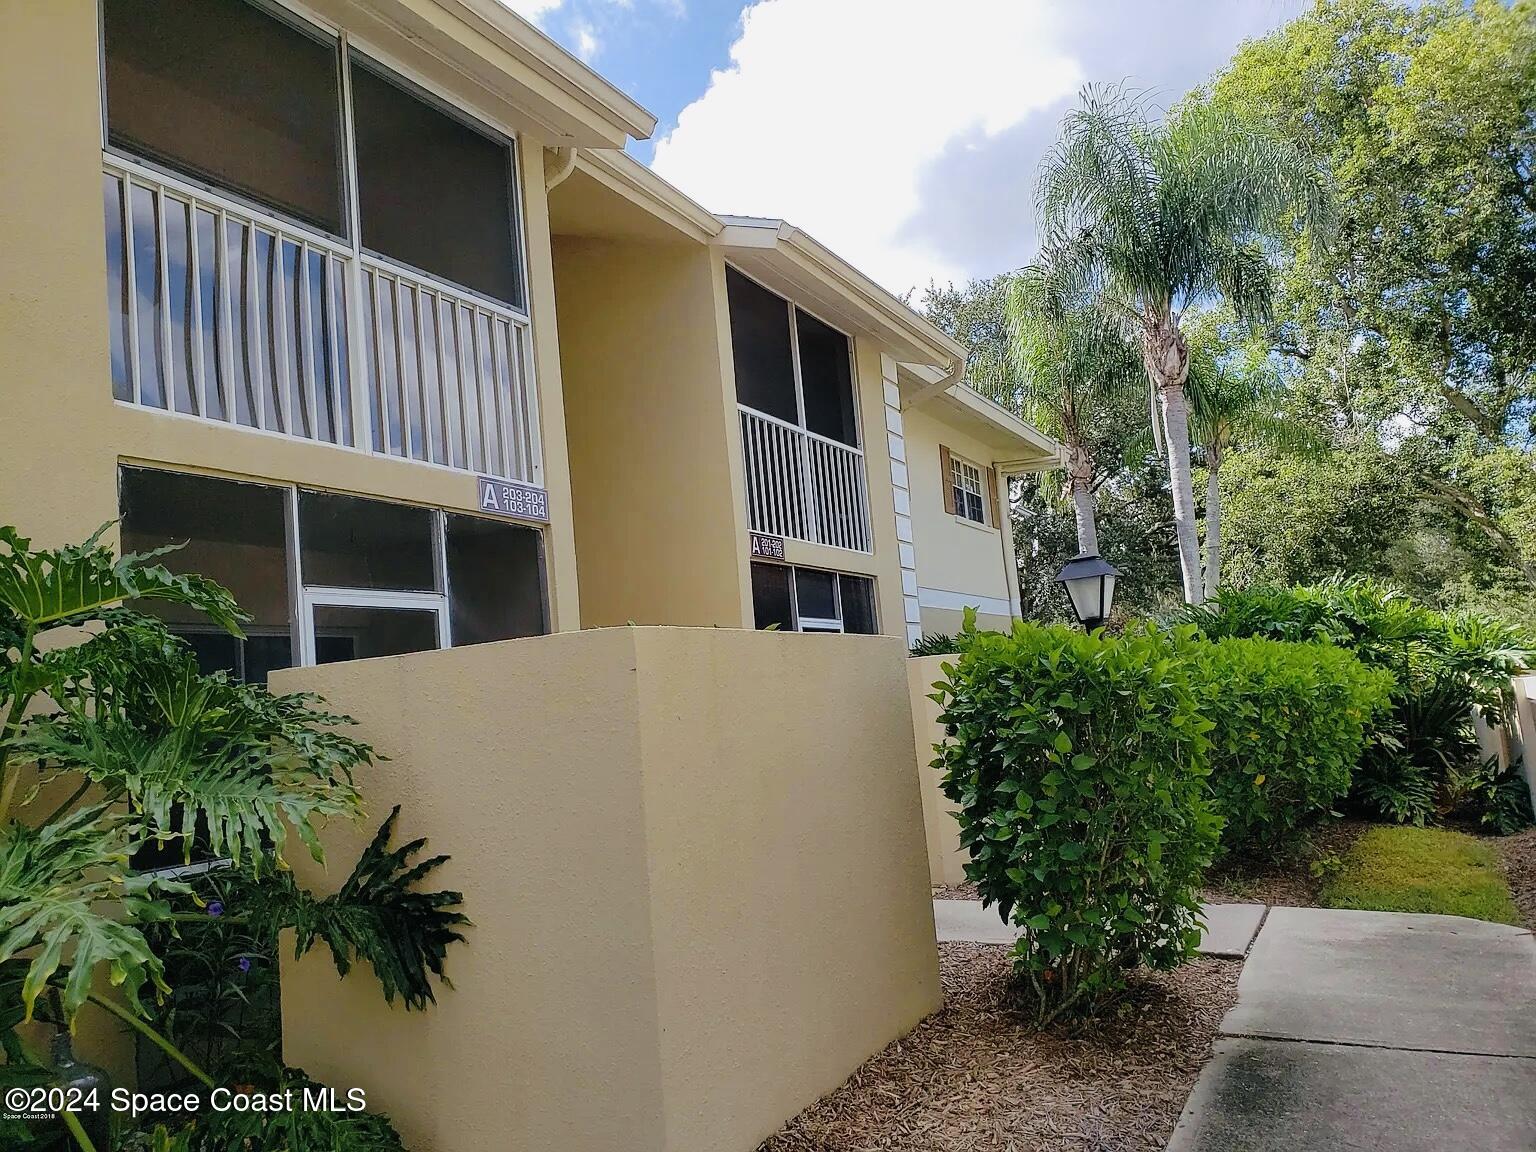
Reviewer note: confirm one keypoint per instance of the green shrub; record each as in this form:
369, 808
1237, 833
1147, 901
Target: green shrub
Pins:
1290, 722
1079, 767
1443, 663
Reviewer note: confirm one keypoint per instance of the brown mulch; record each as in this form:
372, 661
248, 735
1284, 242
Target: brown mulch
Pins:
1286, 882
975, 1077
1519, 853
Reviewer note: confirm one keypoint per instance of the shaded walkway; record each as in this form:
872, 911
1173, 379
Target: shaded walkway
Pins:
1373, 1031
1354, 1032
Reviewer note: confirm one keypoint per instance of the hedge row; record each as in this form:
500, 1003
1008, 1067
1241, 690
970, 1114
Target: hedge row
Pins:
1094, 774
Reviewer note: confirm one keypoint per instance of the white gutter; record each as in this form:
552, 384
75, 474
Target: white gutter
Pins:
950, 375
565, 163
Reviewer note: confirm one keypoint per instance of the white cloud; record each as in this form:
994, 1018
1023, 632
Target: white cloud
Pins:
831, 109
906, 134
533, 10
584, 41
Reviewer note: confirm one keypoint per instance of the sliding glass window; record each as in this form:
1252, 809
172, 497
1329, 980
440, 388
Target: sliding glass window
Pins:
329, 577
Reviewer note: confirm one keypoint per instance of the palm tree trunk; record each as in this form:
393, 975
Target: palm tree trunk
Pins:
1212, 525
1080, 482
1167, 361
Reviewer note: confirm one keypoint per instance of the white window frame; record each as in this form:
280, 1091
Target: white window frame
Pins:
433, 602
962, 472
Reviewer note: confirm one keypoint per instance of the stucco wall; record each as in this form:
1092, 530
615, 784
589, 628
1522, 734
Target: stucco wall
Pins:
58, 474
958, 562
694, 860
1523, 730
946, 859
658, 534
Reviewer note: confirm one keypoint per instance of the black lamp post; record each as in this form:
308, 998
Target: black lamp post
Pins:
1090, 584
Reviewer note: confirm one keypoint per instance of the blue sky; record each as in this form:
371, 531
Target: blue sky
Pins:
904, 134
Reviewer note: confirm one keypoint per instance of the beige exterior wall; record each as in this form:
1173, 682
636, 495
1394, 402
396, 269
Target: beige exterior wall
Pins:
658, 529
958, 562
58, 475
1523, 729
695, 865
946, 859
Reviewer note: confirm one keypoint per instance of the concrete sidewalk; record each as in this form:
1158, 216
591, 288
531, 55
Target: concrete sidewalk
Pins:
1229, 928
1373, 1031
1354, 1031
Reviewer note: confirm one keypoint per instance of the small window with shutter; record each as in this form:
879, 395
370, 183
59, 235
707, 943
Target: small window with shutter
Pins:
967, 487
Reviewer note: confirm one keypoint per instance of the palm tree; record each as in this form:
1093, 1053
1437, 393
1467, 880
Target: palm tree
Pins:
1068, 360
1155, 216
1235, 400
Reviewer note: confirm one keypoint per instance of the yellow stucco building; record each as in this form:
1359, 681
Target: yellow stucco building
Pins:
363, 302
367, 302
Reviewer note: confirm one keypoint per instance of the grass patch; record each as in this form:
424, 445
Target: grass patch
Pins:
1404, 869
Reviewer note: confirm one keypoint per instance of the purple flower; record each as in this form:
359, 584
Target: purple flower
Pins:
244, 964
215, 908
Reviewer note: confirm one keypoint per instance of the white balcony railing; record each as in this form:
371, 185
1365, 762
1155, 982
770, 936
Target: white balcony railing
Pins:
223, 312
803, 485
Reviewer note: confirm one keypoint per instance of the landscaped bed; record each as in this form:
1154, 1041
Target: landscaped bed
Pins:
975, 1077
1351, 864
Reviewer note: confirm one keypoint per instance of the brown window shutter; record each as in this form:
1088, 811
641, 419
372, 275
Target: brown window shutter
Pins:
995, 509
947, 479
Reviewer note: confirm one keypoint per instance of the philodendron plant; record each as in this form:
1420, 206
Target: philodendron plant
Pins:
111, 740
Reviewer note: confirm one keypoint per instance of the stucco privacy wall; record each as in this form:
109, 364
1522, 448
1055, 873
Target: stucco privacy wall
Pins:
694, 860
946, 859
658, 532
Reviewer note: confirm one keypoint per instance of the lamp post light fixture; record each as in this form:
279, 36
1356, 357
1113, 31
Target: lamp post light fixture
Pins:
1090, 584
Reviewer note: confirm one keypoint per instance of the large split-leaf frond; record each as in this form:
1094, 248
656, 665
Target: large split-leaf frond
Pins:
379, 915
58, 885
187, 750
46, 587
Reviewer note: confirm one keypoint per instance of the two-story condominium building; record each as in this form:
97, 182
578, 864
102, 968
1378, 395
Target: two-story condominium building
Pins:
363, 300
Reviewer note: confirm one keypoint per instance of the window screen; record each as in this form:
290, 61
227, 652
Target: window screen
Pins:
816, 594
232, 533
826, 377
858, 593
765, 373
432, 191
349, 542
357, 632
771, 596
495, 581
227, 92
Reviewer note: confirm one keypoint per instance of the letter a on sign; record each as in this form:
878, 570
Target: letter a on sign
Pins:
513, 500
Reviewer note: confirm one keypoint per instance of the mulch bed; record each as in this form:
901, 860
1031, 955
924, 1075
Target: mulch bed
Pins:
975, 1077
1520, 868
1287, 882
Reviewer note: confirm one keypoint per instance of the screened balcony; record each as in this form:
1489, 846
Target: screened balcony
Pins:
801, 455
301, 242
